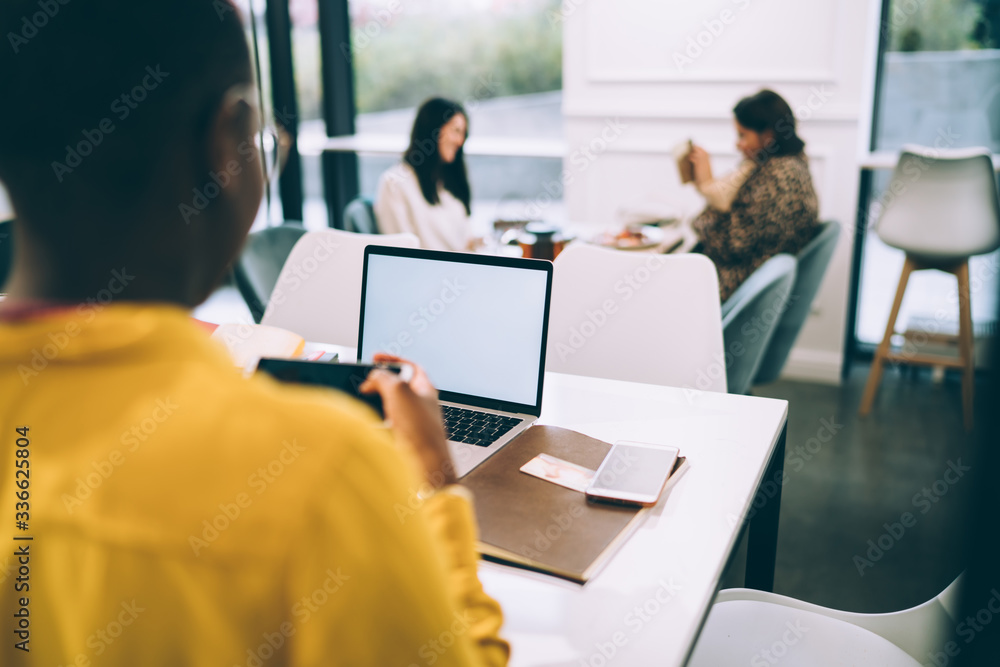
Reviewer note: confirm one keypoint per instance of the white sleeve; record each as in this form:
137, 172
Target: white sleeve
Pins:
719, 193
401, 207
392, 210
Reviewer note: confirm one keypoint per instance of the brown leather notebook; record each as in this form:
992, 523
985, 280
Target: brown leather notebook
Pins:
531, 523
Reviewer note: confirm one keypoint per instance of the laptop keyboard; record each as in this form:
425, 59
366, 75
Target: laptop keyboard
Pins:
474, 427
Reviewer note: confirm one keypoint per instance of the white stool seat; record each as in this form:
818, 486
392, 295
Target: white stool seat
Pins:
748, 632
941, 208
941, 205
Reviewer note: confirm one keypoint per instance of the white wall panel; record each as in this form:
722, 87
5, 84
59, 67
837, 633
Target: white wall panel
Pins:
639, 40
621, 70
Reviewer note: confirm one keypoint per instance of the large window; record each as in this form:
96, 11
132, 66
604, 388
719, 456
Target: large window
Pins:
252, 12
462, 49
306, 53
501, 59
939, 85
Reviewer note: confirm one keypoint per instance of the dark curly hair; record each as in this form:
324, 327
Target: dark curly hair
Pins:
768, 111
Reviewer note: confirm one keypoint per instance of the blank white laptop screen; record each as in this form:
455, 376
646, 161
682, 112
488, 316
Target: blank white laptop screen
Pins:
476, 329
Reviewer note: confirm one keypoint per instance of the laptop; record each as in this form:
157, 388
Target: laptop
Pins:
476, 323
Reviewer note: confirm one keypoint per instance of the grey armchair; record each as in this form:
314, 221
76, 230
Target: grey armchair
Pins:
750, 317
257, 268
813, 261
359, 216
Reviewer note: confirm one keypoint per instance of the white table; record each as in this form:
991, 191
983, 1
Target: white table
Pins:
671, 566
647, 606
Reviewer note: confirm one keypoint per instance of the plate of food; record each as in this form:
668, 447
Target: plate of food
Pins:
637, 237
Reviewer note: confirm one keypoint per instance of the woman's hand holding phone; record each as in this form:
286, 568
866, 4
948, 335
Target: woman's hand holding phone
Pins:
411, 405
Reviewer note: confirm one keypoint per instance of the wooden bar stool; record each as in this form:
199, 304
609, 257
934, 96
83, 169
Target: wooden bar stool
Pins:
941, 209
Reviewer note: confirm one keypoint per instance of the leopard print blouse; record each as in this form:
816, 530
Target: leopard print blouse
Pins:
774, 211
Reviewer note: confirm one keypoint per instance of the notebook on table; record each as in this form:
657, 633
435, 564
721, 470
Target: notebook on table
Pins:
535, 524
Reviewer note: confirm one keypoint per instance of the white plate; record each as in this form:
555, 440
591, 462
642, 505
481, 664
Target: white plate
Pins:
651, 238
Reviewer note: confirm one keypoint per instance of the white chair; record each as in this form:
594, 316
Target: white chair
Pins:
941, 209
318, 293
744, 624
636, 316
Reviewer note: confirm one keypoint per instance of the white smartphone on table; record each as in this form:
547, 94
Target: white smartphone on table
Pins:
633, 473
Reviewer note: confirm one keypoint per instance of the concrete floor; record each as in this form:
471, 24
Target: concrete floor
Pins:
842, 493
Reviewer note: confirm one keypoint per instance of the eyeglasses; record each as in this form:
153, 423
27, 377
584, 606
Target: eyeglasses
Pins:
273, 144
270, 138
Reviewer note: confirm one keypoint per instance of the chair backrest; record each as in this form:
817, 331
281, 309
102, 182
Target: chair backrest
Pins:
920, 631
637, 317
754, 311
6, 249
256, 269
318, 294
811, 264
359, 216
942, 204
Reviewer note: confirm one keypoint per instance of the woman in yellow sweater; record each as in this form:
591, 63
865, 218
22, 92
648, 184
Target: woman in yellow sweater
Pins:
169, 511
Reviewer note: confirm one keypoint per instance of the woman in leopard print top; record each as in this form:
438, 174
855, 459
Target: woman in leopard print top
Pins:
773, 208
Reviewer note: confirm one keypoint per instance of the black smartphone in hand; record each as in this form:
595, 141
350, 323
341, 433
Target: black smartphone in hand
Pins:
347, 378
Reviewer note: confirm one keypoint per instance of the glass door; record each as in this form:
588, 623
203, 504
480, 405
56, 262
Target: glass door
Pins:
938, 85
